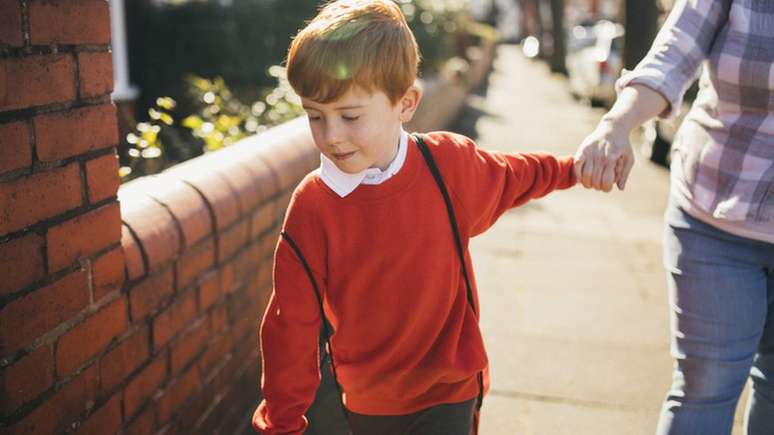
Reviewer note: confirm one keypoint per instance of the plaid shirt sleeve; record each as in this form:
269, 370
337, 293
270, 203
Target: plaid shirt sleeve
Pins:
681, 45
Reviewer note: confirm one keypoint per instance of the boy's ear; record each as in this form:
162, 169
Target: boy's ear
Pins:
409, 102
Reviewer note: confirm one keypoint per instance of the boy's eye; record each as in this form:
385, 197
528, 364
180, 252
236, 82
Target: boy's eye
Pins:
313, 117
350, 118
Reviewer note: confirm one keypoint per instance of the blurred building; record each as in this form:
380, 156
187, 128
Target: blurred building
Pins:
503, 14
581, 10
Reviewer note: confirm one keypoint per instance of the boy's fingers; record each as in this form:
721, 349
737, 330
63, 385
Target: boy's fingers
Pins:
254, 421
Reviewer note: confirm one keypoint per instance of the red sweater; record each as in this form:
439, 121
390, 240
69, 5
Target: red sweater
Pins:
384, 258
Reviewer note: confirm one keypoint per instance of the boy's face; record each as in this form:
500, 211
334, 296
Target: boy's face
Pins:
360, 130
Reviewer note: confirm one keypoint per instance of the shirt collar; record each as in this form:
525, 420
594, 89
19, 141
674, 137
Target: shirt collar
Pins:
343, 183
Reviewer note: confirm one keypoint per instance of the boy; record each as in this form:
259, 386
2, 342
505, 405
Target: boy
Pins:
373, 242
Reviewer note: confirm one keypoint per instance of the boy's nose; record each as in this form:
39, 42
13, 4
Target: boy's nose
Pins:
333, 136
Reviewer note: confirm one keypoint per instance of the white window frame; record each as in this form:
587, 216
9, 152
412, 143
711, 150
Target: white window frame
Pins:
123, 90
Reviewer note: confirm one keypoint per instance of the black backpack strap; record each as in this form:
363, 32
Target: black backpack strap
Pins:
317, 293
457, 239
450, 210
326, 327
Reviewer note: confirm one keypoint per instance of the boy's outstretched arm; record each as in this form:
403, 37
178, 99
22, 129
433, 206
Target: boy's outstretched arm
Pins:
290, 334
489, 183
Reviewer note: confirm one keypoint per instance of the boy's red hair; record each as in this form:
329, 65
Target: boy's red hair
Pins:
362, 42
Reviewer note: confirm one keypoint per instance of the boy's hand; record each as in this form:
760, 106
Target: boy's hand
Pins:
604, 157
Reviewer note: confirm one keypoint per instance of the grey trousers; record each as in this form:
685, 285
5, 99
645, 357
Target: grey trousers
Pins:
447, 419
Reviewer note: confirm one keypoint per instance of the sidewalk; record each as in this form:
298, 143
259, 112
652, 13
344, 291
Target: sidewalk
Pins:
572, 291
573, 295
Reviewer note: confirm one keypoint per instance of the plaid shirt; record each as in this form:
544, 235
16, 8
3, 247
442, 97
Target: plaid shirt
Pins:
725, 146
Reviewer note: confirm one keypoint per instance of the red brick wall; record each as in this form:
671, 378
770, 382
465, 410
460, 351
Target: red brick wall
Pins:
132, 309
198, 242
139, 316
61, 262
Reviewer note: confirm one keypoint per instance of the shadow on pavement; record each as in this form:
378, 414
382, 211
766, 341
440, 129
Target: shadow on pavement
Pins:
474, 109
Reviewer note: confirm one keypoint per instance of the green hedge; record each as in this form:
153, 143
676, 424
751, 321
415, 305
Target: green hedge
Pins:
241, 41
238, 43
229, 51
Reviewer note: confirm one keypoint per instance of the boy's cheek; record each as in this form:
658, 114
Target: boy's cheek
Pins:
319, 143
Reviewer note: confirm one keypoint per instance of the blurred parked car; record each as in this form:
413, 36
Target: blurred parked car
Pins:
581, 36
594, 61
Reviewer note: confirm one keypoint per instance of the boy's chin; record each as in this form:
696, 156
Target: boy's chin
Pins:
350, 169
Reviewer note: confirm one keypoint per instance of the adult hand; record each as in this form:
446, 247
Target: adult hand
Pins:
604, 157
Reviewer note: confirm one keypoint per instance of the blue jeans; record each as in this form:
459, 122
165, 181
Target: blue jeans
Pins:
721, 292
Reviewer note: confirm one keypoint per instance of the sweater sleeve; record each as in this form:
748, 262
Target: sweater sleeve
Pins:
488, 183
681, 45
290, 334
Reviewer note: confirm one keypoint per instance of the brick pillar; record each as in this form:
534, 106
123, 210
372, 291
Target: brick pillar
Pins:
61, 262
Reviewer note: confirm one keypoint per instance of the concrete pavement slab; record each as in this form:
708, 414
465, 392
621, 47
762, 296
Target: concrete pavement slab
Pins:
530, 416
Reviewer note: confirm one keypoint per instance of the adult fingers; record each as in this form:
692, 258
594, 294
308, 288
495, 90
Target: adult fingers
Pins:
608, 177
596, 174
619, 165
627, 168
612, 167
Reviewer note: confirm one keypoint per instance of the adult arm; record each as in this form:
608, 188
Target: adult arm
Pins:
655, 87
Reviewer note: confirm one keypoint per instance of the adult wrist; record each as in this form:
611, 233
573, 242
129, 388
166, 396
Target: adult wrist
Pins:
615, 125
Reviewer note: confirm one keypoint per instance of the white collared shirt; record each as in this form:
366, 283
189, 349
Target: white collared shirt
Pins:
343, 183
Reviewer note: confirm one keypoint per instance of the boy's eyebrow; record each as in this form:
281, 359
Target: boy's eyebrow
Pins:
355, 106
